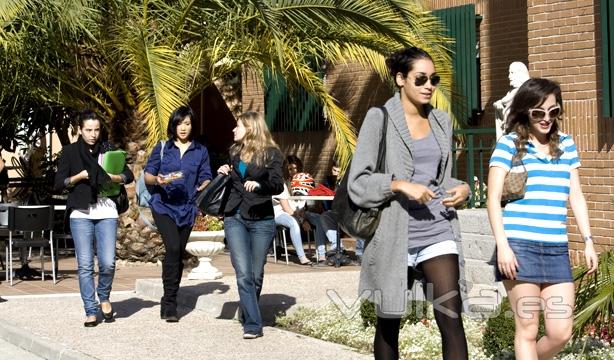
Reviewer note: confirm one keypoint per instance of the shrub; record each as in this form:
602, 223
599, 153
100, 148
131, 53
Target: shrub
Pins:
416, 312
499, 333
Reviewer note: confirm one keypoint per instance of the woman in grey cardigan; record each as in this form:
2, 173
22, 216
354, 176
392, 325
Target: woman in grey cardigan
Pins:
418, 234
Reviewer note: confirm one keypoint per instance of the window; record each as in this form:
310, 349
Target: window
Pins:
290, 111
461, 23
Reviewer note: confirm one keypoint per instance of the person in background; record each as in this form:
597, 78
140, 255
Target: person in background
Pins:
4, 180
418, 235
284, 216
531, 232
255, 170
91, 214
178, 176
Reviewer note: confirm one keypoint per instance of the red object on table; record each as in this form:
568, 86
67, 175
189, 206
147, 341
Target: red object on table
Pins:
321, 190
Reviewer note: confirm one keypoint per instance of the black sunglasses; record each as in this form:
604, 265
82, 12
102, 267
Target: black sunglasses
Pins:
422, 79
540, 114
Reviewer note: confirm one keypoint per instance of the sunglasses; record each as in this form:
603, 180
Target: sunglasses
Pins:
422, 79
540, 114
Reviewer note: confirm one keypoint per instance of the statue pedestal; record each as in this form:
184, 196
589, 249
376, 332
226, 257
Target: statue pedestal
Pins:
205, 245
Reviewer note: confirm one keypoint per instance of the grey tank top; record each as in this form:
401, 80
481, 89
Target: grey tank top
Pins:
428, 223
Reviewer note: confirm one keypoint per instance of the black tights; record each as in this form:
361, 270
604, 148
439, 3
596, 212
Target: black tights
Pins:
441, 274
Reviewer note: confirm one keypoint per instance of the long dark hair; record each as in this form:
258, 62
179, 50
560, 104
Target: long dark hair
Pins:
176, 118
292, 160
532, 94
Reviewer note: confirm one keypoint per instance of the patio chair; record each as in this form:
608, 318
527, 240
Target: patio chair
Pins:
280, 235
34, 223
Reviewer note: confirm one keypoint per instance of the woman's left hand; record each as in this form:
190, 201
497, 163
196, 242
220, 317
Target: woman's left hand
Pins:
458, 195
115, 178
250, 185
203, 185
592, 260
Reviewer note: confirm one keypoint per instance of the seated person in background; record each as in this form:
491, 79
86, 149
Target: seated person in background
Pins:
329, 221
284, 216
4, 180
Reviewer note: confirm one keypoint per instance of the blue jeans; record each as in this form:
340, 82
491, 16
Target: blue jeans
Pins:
290, 222
326, 230
249, 241
83, 233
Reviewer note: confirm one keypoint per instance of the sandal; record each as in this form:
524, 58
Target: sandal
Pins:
306, 262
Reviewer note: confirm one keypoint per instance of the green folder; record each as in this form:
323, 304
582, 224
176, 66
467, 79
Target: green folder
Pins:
113, 162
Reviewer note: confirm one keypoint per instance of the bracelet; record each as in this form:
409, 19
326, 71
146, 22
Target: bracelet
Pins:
588, 238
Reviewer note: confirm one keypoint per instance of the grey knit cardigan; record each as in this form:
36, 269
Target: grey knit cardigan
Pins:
383, 277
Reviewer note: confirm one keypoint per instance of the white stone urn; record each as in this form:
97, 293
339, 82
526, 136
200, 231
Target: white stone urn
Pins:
205, 245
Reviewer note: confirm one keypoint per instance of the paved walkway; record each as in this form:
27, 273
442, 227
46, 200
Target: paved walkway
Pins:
9, 351
46, 319
127, 274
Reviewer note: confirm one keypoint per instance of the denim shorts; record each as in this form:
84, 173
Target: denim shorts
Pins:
420, 254
540, 263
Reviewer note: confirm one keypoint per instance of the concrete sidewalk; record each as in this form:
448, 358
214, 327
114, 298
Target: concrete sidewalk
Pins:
51, 326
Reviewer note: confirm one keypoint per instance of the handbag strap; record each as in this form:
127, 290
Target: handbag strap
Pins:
381, 156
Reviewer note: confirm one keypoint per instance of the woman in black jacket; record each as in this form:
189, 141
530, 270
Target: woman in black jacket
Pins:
249, 223
92, 213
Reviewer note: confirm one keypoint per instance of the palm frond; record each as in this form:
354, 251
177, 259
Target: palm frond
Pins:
160, 81
594, 294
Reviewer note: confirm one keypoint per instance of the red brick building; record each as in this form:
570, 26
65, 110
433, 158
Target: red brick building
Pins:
569, 41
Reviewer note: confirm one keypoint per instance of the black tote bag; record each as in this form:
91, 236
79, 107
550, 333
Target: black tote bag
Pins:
212, 199
354, 220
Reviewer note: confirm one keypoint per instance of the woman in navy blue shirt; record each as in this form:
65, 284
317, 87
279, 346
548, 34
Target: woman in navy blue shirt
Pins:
179, 174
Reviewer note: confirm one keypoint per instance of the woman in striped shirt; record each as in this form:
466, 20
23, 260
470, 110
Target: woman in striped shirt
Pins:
531, 232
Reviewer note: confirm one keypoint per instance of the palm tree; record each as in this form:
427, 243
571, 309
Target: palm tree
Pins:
134, 61
595, 296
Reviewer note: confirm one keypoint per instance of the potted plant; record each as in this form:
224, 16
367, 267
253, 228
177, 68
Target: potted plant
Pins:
206, 240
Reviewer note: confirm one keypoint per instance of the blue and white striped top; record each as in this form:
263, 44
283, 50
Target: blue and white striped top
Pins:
541, 215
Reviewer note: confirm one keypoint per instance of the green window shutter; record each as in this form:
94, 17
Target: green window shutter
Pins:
607, 56
290, 111
460, 23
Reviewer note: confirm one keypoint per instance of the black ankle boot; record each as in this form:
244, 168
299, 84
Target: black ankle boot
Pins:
169, 313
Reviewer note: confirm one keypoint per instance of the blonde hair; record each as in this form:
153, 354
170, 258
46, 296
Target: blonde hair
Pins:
258, 138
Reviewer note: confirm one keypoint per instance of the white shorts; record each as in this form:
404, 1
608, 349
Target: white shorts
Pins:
417, 255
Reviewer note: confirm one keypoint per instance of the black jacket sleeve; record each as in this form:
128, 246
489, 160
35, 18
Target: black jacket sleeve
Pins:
63, 170
272, 184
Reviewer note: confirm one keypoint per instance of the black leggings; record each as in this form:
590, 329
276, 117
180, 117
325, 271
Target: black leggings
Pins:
175, 239
441, 274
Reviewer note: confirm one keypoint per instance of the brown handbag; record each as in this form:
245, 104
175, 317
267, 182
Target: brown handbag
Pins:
515, 184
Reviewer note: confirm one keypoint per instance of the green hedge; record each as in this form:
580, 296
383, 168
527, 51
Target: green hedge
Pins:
416, 312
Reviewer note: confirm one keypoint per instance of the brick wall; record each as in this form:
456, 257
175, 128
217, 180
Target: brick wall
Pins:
252, 93
564, 45
558, 39
356, 89
502, 38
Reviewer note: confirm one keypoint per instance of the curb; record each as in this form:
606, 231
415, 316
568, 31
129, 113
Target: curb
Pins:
38, 346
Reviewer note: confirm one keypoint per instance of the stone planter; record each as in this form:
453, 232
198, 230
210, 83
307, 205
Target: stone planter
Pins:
205, 245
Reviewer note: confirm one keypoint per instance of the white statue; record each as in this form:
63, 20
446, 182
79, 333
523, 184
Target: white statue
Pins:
518, 74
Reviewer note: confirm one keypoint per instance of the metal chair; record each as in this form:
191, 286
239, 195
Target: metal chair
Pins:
37, 221
280, 235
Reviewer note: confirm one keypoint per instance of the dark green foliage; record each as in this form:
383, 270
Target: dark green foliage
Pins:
416, 311
499, 334
595, 298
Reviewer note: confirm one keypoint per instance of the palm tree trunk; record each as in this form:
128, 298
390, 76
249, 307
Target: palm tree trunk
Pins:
136, 241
